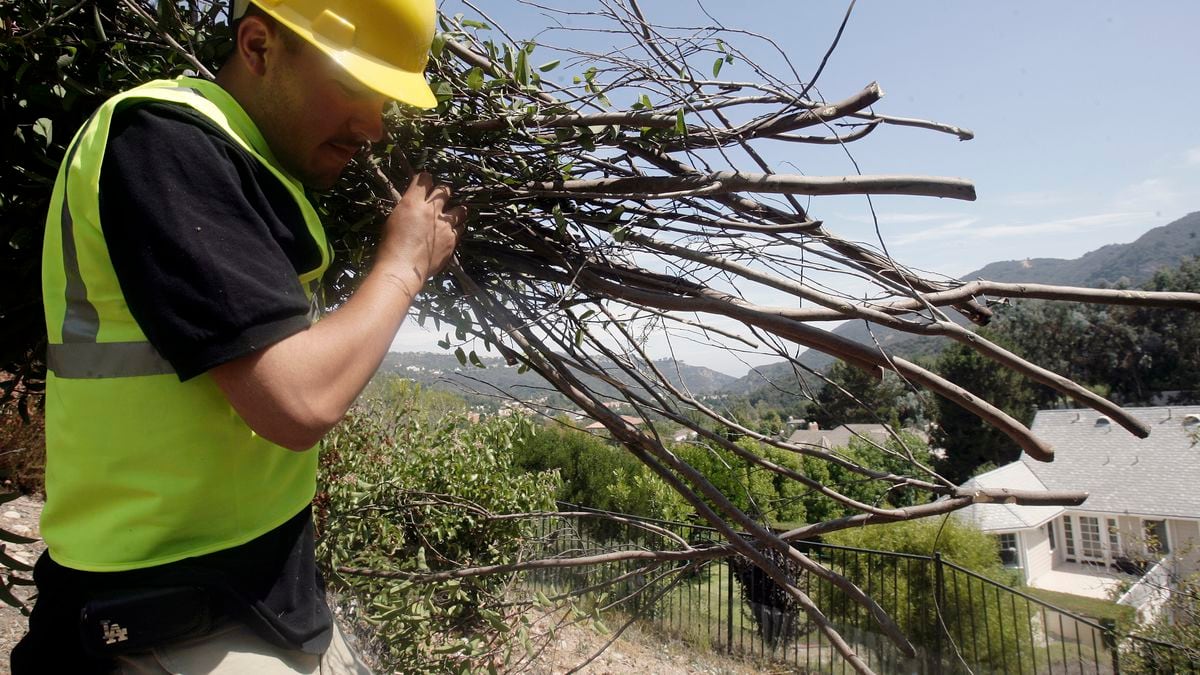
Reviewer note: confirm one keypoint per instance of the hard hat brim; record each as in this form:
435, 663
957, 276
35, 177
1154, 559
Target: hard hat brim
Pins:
395, 83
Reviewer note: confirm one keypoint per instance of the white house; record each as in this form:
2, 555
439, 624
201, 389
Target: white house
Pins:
1143, 503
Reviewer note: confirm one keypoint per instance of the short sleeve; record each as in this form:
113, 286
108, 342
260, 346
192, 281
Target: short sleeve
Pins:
205, 241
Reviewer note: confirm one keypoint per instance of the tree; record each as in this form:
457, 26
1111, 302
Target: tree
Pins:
970, 444
621, 202
853, 395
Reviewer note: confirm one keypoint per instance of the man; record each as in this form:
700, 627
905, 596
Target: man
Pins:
187, 386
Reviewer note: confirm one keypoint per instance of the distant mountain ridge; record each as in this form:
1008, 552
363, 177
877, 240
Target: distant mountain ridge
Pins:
444, 372
1132, 264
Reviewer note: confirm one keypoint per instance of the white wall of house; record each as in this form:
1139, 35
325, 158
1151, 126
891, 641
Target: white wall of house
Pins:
1038, 558
1185, 545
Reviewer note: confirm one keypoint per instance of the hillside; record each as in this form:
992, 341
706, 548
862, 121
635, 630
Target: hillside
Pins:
482, 385
1132, 264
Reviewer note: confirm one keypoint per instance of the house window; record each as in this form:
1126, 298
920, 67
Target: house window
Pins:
1114, 539
1156, 536
1050, 535
1008, 549
1090, 544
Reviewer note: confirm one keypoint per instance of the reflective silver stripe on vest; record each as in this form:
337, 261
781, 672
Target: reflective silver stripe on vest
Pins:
95, 360
81, 323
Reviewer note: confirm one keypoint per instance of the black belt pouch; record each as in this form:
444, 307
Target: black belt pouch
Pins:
129, 620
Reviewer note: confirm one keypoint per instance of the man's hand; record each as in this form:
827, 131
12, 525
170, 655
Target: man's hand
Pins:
423, 230
295, 390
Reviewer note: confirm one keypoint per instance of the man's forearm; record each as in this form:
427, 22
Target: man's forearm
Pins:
295, 390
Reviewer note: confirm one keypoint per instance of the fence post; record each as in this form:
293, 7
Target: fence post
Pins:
939, 600
729, 607
1109, 637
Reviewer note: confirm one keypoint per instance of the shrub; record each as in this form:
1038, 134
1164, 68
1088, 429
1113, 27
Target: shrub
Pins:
908, 589
597, 473
407, 488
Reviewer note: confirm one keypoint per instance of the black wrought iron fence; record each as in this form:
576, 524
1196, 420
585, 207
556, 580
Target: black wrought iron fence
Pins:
958, 620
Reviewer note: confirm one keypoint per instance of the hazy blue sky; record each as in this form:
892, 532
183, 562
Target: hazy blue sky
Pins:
1085, 115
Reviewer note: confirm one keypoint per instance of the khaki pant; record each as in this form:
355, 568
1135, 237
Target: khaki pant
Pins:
232, 648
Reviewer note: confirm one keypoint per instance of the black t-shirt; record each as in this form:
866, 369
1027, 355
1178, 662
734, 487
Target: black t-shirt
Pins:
206, 242
207, 245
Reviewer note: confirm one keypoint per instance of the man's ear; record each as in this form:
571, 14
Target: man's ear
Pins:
255, 39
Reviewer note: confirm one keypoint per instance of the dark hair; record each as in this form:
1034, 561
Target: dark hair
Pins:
291, 41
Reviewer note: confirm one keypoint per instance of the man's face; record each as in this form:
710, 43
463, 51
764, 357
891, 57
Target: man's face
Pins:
315, 115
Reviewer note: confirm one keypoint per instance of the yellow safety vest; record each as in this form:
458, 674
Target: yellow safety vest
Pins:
142, 469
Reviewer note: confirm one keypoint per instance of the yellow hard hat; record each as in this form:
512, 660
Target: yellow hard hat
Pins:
383, 44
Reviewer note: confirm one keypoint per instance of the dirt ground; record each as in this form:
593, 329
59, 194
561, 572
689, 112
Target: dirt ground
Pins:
634, 652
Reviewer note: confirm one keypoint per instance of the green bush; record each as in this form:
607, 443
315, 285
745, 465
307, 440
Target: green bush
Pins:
598, 474
932, 616
406, 487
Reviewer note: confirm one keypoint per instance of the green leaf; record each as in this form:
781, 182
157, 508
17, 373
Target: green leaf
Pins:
680, 123
439, 43
478, 25
521, 69
45, 128
475, 360
475, 79
717, 66
559, 221
461, 356
549, 65
508, 59
100, 34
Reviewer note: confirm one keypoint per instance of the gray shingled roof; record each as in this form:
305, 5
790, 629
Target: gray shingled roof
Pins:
1158, 475
838, 437
1003, 517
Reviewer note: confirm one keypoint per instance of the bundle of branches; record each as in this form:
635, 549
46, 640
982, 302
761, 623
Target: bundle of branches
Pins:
634, 200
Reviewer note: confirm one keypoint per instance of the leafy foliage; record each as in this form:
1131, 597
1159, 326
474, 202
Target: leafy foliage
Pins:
971, 444
1178, 625
58, 61
596, 473
854, 396
407, 486
926, 609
